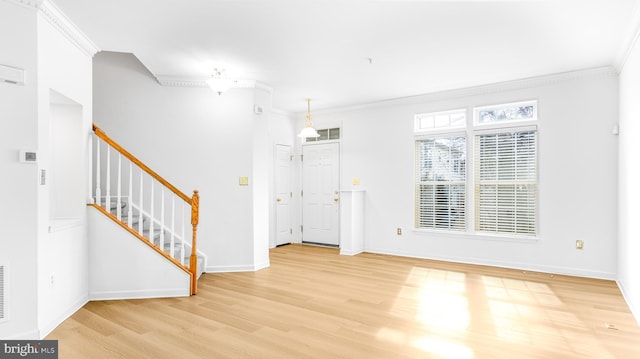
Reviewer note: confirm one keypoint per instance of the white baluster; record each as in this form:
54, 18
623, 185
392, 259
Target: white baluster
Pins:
130, 197
119, 189
107, 200
173, 226
162, 218
140, 207
98, 192
182, 235
152, 219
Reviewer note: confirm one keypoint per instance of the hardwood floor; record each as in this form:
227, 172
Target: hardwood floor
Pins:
313, 303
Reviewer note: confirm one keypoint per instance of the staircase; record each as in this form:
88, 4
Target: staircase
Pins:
150, 208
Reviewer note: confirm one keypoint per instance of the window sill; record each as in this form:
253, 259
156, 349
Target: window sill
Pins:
482, 236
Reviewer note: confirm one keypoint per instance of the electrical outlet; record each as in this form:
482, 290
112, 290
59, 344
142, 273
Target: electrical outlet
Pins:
51, 280
579, 244
399, 231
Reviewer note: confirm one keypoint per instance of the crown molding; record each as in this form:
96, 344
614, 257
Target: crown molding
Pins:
180, 81
633, 33
481, 89
67, 28
32, 4
61, 23
193, 81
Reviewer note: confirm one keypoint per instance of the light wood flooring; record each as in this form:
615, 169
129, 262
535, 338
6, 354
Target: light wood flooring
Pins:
313, 303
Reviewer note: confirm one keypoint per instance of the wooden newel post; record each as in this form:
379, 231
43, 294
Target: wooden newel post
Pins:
193, 260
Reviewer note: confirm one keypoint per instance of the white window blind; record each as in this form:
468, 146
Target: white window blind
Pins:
506, 182
441, 183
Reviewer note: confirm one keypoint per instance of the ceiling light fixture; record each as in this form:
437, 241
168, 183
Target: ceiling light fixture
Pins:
308, 130
219, 82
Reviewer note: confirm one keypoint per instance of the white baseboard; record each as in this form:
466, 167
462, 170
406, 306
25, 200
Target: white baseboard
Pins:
241, 268
633, 309
49, 327
139, 294
30, 335
344, 252
577, 272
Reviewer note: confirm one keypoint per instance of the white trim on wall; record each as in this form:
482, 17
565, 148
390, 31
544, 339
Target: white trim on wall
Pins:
479, 90
237, 268
61, 23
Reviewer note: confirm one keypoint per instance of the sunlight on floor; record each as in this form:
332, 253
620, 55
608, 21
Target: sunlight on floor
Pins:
437, 299
522, 310
443, 348
444, 304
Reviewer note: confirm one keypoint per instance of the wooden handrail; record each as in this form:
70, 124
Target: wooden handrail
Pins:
139, 163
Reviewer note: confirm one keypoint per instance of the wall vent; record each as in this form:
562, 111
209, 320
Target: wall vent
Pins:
4, 316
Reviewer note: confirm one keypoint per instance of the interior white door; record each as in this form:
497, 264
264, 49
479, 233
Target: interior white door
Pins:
321, 193
283, 195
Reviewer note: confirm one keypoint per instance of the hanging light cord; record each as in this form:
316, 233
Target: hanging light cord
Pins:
308, 112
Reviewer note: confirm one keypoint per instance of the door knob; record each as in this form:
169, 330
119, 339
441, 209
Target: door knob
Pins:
336, 199
278, 199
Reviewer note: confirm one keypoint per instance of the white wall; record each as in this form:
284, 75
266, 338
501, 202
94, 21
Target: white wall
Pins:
63, 69
628, 180
577, 174
67, 192
196, 140
18, 130
138, 272
52, 62
261, 178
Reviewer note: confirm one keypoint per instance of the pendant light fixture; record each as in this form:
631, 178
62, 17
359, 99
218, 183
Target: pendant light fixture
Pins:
219, 82
308, 130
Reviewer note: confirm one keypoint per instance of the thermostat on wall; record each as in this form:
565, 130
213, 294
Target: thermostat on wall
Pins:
28, 156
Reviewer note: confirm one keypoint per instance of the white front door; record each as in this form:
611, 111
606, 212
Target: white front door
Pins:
283, 194
320, 193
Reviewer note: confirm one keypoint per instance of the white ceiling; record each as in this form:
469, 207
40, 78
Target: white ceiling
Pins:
322, 49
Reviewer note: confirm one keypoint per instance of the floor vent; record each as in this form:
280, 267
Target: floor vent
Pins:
3, 299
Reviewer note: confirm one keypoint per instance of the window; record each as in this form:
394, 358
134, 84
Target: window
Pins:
520, 111
441, 120
441, 172
441, 183
505, 182
325, 135
504, 163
